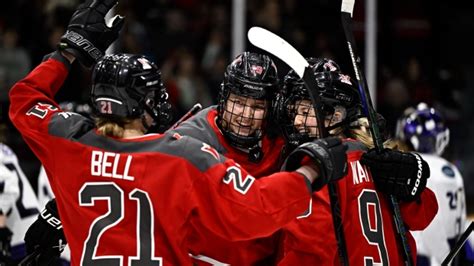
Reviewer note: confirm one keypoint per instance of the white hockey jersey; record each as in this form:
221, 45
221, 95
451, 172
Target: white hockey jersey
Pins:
45, 194
9, 189
25, 208
434, 243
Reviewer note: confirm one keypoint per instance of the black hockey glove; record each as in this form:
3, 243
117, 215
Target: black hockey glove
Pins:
401, 174
87, 36
45, 237
329, 155
5, 251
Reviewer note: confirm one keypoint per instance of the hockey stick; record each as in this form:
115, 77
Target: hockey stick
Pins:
196, 108
346, 17
275, 45
458, 245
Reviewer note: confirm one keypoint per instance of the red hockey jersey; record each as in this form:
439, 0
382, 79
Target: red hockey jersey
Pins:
206, 246
368, 225
126, 201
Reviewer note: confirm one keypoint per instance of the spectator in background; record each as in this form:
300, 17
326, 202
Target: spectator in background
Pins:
14, 62
420, 89
269, 16
394, 99
185, 85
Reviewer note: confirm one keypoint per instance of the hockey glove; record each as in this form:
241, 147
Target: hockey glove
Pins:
87, 36
328, 154
5, 252
45, 237
401, 174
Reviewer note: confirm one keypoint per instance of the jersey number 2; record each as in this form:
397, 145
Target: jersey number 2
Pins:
373, 232
110, 192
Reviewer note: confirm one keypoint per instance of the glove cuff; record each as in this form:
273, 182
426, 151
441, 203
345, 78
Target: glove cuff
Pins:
57, 55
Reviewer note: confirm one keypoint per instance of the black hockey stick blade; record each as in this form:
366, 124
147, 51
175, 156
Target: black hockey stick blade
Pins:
280, 48
462, 239
196, 108
347, 8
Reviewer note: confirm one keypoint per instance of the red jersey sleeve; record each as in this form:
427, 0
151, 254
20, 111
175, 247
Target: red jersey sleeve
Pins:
240, 207
235, 205
32, 104
418, 214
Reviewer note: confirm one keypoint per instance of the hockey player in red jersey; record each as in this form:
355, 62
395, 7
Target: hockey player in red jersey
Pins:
126, 197
369, 236
240, 127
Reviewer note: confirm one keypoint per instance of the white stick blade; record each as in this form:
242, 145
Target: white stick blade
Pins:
347, 6
280, 48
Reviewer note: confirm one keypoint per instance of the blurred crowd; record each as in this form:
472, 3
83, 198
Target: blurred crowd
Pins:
190, 40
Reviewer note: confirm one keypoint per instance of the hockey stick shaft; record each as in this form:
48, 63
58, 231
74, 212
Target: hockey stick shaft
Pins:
462, 239
346, 13
275, 45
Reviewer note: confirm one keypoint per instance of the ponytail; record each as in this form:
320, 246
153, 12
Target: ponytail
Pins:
106, 127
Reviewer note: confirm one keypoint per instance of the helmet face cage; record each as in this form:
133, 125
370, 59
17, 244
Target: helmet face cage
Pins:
126, 86
247, 92
424, 129
243, 118
294, 109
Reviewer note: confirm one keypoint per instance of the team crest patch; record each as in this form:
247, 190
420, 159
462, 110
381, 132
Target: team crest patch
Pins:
448, 171
207, 148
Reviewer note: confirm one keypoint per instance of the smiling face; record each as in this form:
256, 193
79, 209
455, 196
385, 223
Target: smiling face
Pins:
305, 118
305, 121
243, 115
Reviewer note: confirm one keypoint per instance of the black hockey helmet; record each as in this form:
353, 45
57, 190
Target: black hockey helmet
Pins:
127, 86
250, 75
335, 90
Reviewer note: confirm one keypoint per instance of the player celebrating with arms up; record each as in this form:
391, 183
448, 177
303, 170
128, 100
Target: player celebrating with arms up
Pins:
120, 193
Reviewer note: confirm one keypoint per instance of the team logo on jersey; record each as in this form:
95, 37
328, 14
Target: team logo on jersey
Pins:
206, 148
448, 171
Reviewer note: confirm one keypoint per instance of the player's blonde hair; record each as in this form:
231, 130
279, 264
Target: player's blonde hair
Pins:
106, 127
362, 134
